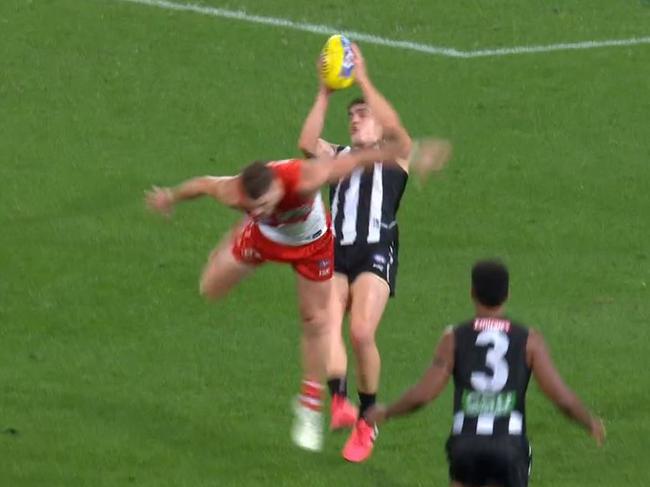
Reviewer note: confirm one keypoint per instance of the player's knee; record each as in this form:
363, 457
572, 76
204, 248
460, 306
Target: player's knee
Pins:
362, 336
315, 322
209, 291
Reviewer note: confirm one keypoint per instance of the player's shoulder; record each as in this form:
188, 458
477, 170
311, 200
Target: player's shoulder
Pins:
284, 163
520, 327
286, 167
460, 327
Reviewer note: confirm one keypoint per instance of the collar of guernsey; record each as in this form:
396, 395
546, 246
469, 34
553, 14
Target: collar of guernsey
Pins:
296, 220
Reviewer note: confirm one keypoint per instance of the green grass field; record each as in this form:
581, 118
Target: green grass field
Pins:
114, 372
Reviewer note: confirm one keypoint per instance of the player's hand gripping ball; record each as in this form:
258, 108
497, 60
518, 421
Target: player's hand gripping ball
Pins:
337, 63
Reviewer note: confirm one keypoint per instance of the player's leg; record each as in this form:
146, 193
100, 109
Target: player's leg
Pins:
370, 295
314, 298
343, 413
223, 270
337, 361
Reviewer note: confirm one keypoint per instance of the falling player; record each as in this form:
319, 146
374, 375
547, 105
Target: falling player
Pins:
286, 222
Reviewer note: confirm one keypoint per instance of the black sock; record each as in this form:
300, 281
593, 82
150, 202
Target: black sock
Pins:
366, 402
338, 386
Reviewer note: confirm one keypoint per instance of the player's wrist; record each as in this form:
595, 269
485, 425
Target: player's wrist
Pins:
323, 92
173, 195
362, 80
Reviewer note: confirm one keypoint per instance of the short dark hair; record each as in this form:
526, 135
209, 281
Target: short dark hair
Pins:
360, 100
490, 282
256, 179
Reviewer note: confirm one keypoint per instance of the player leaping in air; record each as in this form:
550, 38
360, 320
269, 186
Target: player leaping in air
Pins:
364, 213
286, 222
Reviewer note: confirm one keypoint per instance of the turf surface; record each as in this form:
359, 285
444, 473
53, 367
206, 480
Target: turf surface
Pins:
114, 372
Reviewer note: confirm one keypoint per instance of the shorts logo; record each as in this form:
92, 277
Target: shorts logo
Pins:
379, 259
324, 267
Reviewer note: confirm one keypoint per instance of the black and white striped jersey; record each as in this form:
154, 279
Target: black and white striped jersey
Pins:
490, 377
364, 206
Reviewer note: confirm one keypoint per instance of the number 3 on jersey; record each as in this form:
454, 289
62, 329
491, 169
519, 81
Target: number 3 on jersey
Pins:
494, 359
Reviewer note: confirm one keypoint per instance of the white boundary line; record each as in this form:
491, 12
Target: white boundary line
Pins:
382, 41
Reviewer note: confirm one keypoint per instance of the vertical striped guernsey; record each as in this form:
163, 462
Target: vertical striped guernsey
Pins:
365, 205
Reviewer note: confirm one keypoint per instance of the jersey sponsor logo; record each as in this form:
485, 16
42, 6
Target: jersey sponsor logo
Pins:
481, 324
475, 403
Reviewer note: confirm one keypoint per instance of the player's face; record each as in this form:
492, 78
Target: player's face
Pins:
364, 129
264, 206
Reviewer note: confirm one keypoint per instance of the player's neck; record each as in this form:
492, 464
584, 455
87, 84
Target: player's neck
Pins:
370, 145
487, 312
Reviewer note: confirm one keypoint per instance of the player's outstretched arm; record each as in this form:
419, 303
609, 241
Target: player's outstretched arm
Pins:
223, 189
379, 105
432, 155
427, 389
310, 142
552, 385
318, 172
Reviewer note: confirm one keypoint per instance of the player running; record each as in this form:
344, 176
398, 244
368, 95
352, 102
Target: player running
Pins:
364, 210
491, 358
286, 222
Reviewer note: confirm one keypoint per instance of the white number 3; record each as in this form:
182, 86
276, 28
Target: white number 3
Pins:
495, 360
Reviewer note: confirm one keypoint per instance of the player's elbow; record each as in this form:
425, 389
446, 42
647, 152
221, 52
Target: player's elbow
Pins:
307, 146
423, 394
397, 136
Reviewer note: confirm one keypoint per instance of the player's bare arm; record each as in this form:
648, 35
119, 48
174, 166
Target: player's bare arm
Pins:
223, 189
381, 108
318, 172
427, 389
552, 385
310, 142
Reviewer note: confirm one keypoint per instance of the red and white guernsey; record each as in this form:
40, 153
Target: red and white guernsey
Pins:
297, 220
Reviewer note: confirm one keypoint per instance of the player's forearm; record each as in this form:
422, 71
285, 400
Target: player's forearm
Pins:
381, 108
188, 190
343, 166
314, 123
410, 402
572, 407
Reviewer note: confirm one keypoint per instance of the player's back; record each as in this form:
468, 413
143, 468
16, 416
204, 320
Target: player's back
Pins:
488, 444
490, 377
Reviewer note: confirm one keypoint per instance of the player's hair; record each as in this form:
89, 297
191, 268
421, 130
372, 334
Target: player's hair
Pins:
256, 179
360, 100
490, 282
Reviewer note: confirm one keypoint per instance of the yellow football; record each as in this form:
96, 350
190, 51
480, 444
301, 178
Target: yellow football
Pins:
337, 63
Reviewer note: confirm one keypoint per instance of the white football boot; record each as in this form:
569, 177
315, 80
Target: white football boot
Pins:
307, 430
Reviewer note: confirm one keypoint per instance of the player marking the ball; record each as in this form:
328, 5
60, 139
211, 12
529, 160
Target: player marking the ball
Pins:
364, 213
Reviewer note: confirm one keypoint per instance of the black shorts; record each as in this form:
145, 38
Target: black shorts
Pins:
377, 258
489, 460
